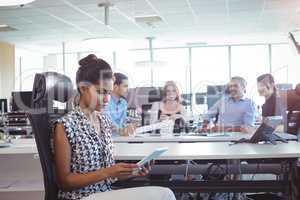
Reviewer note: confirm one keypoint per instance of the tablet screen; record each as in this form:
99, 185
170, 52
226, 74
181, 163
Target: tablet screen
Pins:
153, 156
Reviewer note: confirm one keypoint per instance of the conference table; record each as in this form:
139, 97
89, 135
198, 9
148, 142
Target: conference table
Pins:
191, 137
21, 161
181, 151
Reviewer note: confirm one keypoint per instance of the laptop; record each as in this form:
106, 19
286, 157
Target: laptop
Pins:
265, 132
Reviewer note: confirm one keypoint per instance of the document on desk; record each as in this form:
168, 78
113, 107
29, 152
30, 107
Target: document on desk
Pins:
152, 127
217, 134
4, 144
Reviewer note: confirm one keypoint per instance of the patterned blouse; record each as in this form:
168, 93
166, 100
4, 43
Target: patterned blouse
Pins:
90, 151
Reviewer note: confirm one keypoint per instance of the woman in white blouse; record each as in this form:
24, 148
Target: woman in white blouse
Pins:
170, 108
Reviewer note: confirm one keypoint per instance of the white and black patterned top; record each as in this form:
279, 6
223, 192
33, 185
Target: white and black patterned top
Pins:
90, 151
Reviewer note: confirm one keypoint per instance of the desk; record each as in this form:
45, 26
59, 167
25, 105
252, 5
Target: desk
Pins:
182, 151
22, 155
20, 171
208, 151
17, 130
229, 137
281, 156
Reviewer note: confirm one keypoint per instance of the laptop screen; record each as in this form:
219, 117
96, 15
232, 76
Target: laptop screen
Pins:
266, 128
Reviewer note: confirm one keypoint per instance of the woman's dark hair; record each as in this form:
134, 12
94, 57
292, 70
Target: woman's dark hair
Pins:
92, 69
266, 78
119, 78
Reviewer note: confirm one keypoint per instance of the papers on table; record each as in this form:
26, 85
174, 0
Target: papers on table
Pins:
166, 125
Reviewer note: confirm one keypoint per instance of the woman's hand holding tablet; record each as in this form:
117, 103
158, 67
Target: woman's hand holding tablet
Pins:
153, 156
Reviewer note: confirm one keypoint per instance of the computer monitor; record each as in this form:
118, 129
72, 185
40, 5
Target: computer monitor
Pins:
186, 99
214, 93
200, 98
3, 105
155, 95
21, 101
284, 86
139, 96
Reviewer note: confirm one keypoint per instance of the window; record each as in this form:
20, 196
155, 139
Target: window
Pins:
29, 63
71, 61
285, 64
174, 67
209, 67
249, 62
53, 63
129, 63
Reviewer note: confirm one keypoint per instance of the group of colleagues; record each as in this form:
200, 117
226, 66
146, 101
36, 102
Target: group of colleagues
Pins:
234, 112
170, 108
82, 139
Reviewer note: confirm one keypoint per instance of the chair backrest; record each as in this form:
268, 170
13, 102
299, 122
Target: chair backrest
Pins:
49, 88
293, 108
293, 125
146, 114
155, 95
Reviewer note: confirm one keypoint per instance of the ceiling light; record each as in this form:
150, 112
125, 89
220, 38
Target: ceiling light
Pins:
5, 28
148, 19
14, 2
195, 44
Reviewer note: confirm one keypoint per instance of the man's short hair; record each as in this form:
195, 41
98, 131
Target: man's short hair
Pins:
266, 78
241, 80
119, 78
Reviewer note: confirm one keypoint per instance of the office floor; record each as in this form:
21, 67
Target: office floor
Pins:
25, 195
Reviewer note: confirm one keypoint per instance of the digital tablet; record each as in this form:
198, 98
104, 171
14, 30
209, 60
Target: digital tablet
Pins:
153, 156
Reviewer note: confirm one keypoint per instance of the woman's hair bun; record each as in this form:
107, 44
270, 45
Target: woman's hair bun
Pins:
93, 69
88, 59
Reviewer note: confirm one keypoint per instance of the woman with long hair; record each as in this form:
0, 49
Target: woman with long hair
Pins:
170, 108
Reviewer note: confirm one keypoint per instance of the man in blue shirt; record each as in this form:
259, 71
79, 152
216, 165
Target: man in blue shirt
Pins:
117, 106
235, 112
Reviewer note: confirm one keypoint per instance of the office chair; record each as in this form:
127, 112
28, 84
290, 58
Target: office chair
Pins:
154, 95
48, 87
293, 108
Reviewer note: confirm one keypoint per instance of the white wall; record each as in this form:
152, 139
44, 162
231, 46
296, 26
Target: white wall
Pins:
7, 69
